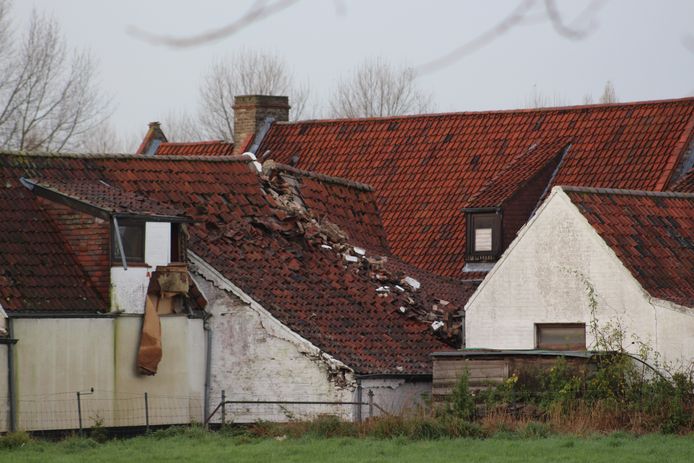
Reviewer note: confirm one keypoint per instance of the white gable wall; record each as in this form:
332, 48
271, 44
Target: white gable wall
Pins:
544, 277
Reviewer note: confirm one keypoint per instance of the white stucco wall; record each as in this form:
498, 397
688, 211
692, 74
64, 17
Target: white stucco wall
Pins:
54, 358
255, 357
544, 277
129, 287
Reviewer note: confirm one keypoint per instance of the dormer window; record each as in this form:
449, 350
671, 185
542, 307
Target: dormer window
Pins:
484, 236
132, 237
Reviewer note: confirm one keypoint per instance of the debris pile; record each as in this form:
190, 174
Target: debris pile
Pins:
294, 220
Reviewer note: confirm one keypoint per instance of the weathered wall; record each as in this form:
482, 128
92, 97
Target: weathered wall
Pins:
56, 357
129, 287
255, 357
545, 276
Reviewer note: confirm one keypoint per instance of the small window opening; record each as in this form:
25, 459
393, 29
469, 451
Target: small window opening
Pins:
132, 234
561, 336
484, 236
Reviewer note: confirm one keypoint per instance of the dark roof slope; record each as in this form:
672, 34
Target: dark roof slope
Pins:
425, 169
38, 272
104, 197
651, 233
277, 252
685, 184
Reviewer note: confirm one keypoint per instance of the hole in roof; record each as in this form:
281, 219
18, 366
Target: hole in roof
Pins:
538, 124
393, 126
448, 138
303, 129
474, 162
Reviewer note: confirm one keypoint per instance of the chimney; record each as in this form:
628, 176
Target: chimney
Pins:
253, 115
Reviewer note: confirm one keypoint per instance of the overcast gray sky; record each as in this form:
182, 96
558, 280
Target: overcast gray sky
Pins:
637, 44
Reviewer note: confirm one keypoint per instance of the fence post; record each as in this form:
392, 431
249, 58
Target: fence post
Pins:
146, 413
224, 408
79, 412
371, 403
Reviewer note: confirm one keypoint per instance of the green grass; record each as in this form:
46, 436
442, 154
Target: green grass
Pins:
211, 447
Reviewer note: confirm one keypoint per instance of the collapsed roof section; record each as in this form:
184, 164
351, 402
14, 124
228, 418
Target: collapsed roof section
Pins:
279, 237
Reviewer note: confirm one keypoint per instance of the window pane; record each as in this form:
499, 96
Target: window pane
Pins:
561, 337
133, 239
483, 239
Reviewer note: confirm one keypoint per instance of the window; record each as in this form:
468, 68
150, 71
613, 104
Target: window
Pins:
561, 336
132, 233
484, 236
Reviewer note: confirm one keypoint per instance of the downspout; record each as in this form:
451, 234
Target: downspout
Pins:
359, 397
208, 366
10, 377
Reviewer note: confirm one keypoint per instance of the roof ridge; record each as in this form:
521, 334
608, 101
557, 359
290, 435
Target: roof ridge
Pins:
491, 111
659, 194
199, 142
271, 165
122, 156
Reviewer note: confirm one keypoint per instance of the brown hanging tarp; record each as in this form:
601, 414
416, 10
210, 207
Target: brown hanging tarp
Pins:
165, 283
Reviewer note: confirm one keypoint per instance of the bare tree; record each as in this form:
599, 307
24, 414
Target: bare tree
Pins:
48, 94
608, 94
538, 99
378, 88
245, 73
181, 126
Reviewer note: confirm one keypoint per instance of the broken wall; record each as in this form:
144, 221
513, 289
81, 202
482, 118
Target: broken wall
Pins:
255, 357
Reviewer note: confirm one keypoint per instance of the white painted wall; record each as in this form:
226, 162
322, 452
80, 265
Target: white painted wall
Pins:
129, 287
542, 278
255, 357
55, 358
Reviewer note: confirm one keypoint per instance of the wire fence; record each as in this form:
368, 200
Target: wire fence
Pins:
80, 410
237, 409
89, 409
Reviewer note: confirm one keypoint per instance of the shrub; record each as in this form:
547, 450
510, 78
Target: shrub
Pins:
428, 428
462, 402
535, 430
14, 440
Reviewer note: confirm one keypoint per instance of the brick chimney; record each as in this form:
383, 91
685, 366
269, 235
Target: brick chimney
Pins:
253, 114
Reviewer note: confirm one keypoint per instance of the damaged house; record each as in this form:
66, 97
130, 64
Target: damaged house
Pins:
79, 262
292, 294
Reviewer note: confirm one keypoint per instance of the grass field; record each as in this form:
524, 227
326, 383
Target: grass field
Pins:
211, 447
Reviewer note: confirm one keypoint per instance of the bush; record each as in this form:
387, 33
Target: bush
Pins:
14, 440
428, 428
462, 402
329, 426
535, 430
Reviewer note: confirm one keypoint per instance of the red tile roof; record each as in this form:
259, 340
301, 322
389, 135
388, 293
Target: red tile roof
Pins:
517, 172
425, 169
38, 271
276, 252
651, 233
685, 184
200, 148
102, 196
